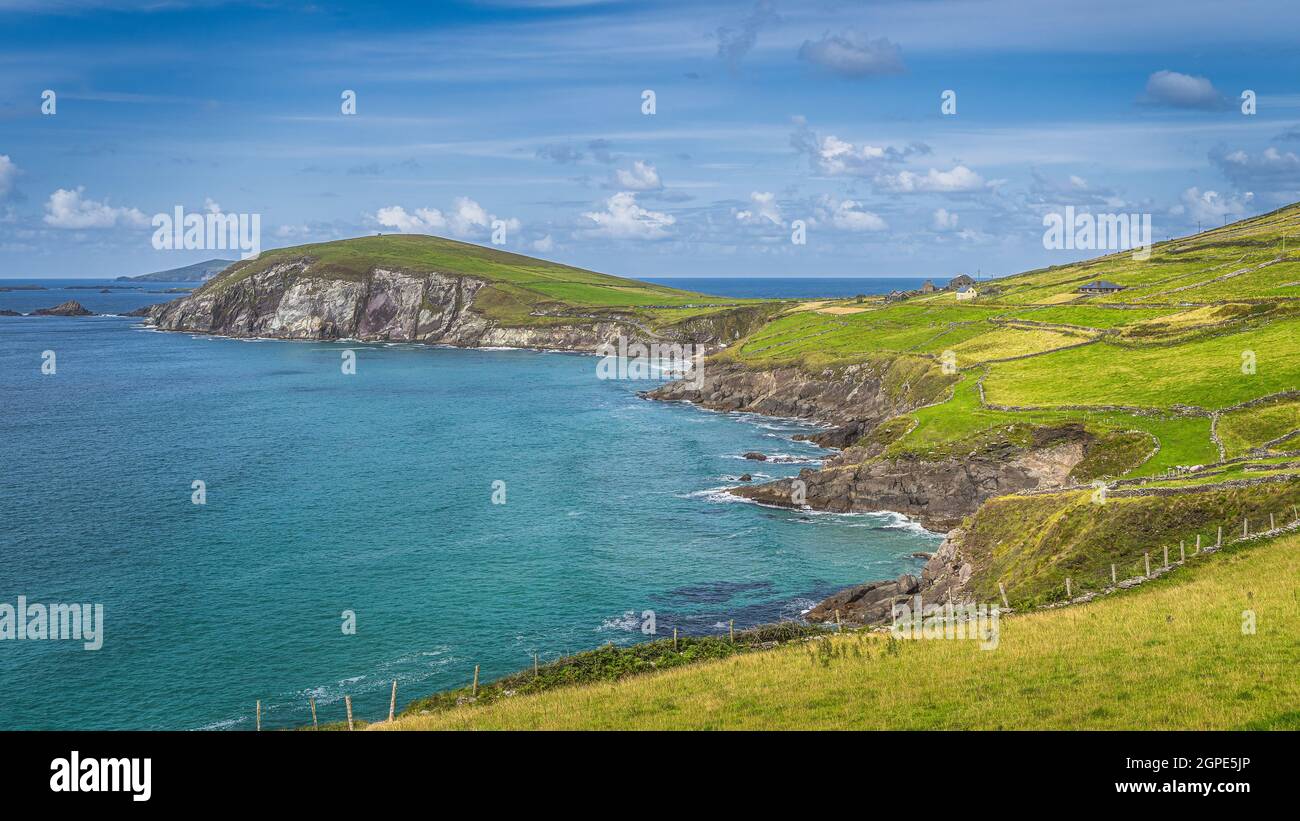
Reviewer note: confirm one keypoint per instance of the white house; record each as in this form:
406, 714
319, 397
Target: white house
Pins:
966, 292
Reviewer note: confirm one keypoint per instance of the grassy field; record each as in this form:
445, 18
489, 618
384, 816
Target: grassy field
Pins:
1170, 654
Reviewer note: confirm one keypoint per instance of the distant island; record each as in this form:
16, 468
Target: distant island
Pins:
198, 272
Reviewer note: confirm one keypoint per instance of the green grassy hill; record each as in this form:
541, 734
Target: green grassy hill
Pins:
522, 290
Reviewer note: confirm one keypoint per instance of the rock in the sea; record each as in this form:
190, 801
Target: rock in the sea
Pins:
745, 477
7, 312
145, 311
70, 308
756, 456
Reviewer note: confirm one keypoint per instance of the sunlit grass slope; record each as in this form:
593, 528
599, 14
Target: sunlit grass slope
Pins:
1170, 654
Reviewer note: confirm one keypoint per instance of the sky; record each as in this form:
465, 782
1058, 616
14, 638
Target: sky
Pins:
532, 116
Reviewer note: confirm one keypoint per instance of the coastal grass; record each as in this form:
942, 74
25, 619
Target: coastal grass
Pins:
1175, 653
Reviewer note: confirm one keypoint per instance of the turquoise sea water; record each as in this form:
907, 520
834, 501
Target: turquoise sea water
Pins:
372, 493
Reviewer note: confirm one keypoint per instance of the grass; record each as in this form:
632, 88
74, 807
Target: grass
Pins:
1168, 655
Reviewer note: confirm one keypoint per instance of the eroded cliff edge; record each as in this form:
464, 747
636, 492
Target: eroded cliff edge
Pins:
285, 301
937, 490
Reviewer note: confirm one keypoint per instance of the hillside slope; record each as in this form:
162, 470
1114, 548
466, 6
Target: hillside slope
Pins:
1187, 381
1175, 653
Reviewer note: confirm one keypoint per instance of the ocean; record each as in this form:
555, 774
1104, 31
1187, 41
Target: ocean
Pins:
370, 495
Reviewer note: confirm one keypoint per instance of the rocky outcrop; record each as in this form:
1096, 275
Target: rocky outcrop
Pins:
944, 577
936, 493
7, 312
283, 302
70, 308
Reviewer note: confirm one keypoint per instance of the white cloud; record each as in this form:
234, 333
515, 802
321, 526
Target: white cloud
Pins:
959, 179
1212, 207
8, 173
624, 219
832, 156
852, 55
68, 209
1169, 88
641, 177
465, 219
848, 215
544, 245
944, 220
764, 207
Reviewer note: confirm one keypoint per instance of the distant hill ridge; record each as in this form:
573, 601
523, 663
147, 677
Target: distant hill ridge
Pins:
198, 272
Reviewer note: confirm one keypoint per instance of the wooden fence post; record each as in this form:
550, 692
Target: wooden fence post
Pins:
1245, 527
839, 627
1219, 543
1068, 594
674, 639
1113, 579
347, 702
314, 725
534, 665
1198, 543
1003, 591
259, 715
1147, 558
392, 701
1182, 551
1166, 557
1271, 526
475, 681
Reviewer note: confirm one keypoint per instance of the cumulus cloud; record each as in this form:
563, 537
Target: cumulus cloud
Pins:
735, 43
852, 55
624, 219
69, 209
466, 218
835, 157
1212, 207
1269, 170
544, 245
1175, 90
848, 215
642, 176
763, 206
8, 173
958, 179
943, 220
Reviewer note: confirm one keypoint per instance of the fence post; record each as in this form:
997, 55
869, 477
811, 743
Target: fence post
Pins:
1219, 543
674, 639
1182, 552
314, 725
1147, 558
1166, 557
1003, 591
347, 702
1198, 543
1245, 527
259, 715
475, 681
1271, 526
839, 628
1113, 580
392, 701
534, 665
1068, 594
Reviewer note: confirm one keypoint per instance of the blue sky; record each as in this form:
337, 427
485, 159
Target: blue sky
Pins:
531, 113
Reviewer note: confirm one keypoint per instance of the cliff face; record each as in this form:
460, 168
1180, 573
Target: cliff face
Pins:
938, 494
394, 306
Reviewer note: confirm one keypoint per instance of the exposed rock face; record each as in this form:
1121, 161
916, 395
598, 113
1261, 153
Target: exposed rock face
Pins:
70, 308
7, 312
393, 306
938, 494
945, 575
851, 395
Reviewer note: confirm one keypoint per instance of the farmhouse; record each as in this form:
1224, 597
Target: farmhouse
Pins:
960, 281
1100, 286
967, 292
928, 287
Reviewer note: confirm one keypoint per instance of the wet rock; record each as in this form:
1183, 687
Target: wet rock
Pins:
70, 308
